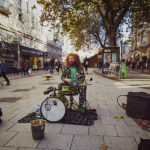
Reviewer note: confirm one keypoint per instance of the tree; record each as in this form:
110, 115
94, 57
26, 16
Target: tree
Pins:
89, 21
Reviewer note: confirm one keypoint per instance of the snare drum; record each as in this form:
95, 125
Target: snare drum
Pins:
66, 89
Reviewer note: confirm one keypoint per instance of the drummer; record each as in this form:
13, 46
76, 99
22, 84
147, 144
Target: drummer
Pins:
70, 72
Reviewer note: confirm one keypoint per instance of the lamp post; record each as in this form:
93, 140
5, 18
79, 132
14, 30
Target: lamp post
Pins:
120, 50
17, 39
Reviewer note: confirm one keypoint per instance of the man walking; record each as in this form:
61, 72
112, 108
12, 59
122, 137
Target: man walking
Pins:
3, 70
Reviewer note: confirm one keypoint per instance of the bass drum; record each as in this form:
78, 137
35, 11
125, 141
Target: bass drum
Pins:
53, 109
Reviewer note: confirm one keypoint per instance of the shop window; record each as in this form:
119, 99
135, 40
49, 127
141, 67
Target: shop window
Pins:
4, 8
1, 2
27, 7
19, 10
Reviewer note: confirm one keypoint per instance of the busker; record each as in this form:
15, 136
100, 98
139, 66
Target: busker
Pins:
71, 72
3, 70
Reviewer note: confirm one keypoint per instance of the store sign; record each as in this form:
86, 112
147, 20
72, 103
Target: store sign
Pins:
17, 37
31, 51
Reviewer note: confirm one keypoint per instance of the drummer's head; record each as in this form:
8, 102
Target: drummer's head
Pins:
73, 60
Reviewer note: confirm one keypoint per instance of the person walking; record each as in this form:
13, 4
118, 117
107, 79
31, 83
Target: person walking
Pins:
22, 66
142, 66
57, 65
3, 70
26, 66
51, 65
86, 64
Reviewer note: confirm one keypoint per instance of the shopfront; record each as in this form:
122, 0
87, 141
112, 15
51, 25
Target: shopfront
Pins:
9, 52
34, 56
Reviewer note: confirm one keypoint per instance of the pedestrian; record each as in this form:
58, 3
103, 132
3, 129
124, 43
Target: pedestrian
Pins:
128, 66
71, 72
22, 66
26, 66
51, 65
148, 64
100, 64
142, 66
3, 70
46, 66
86, 64
16, 70
57, 65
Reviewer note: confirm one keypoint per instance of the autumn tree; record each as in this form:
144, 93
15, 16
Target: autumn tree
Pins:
89, 21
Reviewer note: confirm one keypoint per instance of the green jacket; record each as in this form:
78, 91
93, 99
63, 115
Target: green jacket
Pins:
66, 73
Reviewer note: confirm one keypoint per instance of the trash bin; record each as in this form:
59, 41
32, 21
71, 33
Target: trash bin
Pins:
38, 127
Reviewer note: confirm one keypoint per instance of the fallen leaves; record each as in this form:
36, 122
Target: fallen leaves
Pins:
118, 117
103, 147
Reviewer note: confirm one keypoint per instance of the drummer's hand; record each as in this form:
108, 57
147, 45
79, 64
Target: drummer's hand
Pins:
68, 80
84, 84
75, 84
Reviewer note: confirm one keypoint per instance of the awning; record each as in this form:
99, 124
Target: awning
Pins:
31, 51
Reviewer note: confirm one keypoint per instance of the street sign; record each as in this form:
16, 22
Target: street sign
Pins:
17, 37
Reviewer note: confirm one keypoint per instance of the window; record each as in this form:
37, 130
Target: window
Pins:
1, 2
27, 7
19, 10
33, 21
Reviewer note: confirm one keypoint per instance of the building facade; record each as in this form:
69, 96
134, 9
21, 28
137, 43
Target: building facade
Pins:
23, 37
140, 43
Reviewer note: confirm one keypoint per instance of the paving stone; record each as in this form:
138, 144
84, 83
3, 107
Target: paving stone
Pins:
8, 124
112, 120
8, 148
75, 129
23, 139
56, 141
5, 137
86, 142
120, 143
130, 131
32, 149
53, 127
101, 129
21, 127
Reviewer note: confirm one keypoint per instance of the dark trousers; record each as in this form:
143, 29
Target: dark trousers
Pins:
82, 95
16, 71
86, 68
51, 69
3, 74
23, 71
57, 69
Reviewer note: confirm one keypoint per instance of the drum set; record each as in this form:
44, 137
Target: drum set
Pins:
54, 107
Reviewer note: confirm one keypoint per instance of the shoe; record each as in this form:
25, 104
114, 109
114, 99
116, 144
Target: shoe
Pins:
8, 83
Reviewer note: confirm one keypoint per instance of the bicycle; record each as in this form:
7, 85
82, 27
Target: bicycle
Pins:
54, 107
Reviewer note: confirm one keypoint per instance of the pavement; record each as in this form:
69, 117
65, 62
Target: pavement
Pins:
135, 78
116, 134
